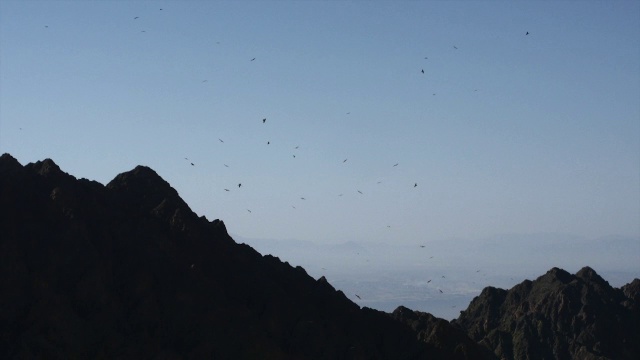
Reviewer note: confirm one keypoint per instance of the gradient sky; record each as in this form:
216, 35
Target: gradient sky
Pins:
503, 133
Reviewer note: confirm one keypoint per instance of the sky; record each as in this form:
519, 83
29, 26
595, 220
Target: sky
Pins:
388, 124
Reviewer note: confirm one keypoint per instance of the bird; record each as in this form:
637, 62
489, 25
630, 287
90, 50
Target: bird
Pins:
227, 190
294, 156
415, 185
249, 211
192, 164
395, 165
302, 198
423, 71
349, 113
360, 191
225, 165
264, 120
455, 47
268, 143
252, 59
358, 297
137, 17
421, 246
429, 281
527, 33
239, 185
297, 147
344, 161
204, 81
440, 291
220, 140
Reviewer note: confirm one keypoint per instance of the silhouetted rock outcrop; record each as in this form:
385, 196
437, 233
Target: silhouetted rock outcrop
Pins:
128, 271
557, 316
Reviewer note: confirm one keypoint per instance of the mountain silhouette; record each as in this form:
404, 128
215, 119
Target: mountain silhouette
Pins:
128, 271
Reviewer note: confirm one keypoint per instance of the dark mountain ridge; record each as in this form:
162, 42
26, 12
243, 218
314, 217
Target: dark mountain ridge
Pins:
128, 271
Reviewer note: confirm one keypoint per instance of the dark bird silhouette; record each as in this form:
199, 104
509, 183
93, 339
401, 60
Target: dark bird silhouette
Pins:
220, 140
192, 164
348, 113
415, 185
440, 291
204, 81
527, 33
423, 71
239, 185
294, 156
344, 161
137, 17
429, 281
443, 276
253, 59
264, 120
297, 147
302, 198
358, 297
421, 246
225, 165
249, 211
360, 191
227, 190
268, 143
455, 47
395, 165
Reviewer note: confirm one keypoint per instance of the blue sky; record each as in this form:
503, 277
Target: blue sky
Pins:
504, 133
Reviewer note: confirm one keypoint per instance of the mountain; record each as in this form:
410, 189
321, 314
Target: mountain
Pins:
128, 271
557, 316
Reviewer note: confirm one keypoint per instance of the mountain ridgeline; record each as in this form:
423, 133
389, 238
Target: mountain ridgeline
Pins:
128, 271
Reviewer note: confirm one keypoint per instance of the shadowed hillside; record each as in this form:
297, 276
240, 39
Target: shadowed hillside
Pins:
128, 271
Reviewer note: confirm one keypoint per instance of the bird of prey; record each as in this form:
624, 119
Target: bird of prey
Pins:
358, 297
252, 59
239, 185
46, 26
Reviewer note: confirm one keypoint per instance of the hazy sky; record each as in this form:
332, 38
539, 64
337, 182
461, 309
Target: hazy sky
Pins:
504, 132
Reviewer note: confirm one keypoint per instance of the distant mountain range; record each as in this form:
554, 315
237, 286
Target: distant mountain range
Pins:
128, 271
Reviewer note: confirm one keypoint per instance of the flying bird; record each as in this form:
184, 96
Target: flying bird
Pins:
220, 140
227, 190
395, 165
302, 198
358, 297
249, 211
297, 147
344, 161
268, 143
252, 59
415, 185
264, 120
137, 17
527, 33
423, 71
421, 246
225, 165
294, 156
429, 281
239, 185
192, 164
455, 47
360, 191
440, 291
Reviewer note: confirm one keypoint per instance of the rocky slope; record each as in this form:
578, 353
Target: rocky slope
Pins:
128, 271
557, 316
